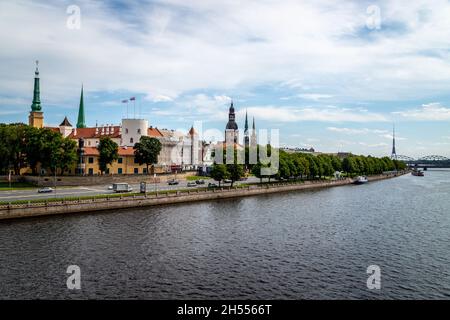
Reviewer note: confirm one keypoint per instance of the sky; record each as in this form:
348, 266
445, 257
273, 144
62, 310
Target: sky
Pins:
332, 75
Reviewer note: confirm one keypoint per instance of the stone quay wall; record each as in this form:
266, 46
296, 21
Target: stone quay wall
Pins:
93, 205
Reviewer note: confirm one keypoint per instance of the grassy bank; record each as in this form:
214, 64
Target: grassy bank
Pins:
4, 186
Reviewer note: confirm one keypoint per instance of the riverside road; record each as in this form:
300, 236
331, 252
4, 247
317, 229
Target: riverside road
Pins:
62, 192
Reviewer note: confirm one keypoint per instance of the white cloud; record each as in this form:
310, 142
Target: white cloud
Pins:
374, 145
352, 131
330, 114
390, 137
170, 48
427, 112
314, 96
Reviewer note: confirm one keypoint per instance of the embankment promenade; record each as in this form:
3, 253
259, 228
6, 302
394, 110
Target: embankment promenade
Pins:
12, 211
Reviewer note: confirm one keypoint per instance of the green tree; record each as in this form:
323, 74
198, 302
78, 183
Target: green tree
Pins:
235, 172
14, 146
336, 163
348, 165
33, 147
65, 154
219, 172
147, 151
109, 152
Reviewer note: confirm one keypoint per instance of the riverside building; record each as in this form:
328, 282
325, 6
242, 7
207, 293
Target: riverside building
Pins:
180, 150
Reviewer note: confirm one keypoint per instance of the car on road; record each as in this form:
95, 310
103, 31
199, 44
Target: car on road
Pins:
45, 190
122, 187
212, 185
226, 181
201, 181
172, 182
191, 184
111, 187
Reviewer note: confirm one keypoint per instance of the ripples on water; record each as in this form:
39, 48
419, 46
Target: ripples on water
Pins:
299, 245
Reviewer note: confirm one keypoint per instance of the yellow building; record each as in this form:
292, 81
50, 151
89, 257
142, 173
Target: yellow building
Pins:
125, 164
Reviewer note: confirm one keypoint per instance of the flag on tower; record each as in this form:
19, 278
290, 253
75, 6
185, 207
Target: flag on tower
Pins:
124, 101
132, 98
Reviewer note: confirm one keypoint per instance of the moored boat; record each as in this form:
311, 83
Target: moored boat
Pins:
360, 180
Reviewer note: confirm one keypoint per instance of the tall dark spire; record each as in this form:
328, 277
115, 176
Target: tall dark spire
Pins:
253, 139
246, 122
36, 105
394, 153
81, 120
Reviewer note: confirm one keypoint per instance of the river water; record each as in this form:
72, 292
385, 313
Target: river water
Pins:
297, 245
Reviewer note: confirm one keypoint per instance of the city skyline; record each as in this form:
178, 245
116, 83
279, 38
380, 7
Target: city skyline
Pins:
332, 82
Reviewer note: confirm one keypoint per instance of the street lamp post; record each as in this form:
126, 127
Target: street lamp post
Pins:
55, 180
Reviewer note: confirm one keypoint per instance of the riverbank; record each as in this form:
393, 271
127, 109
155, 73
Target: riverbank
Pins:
12, 211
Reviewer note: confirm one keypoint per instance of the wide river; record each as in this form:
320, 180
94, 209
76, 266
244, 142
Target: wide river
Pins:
297, 245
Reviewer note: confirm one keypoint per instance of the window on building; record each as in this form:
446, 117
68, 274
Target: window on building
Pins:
119, 171
135, 161
120, 160
131, 140
126, 130
91, 171
136, 170
144, 171
90, 160
139, 131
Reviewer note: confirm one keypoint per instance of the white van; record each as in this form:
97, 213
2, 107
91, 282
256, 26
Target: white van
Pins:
122, 187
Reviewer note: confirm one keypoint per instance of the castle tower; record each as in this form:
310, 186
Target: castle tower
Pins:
231, 130
65, 128
81, 123
36, 117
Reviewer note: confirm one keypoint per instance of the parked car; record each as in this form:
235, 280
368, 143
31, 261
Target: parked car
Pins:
226, 181
200, 181
191, 184
45, 190
172, 182
212, 185
110, 187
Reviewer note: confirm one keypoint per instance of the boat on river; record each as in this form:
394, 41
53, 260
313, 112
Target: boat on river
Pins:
360, 180
417, 173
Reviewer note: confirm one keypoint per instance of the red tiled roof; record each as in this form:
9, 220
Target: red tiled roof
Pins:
96, 132
78, 133
154, 132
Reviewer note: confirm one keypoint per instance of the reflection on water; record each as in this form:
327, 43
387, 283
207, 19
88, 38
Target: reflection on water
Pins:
298, 245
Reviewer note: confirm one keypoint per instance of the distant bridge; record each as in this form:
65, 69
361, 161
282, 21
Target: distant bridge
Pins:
432, 161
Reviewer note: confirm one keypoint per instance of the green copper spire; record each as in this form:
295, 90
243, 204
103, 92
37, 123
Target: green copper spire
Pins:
246, 122
81, 121
36, 106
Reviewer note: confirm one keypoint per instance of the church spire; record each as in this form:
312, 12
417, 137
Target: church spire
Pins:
81, 120
36, 105
246, 122
253, 140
